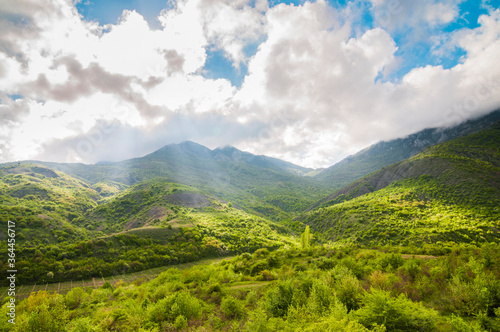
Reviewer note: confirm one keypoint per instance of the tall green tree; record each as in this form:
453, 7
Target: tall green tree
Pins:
305, 237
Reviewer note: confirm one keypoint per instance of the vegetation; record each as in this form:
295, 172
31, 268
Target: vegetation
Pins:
413, 246
448, 194
319, 288
212, 233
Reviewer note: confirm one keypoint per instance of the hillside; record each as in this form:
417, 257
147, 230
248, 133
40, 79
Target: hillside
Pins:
450, 192
44, 202
259, 184
383, 154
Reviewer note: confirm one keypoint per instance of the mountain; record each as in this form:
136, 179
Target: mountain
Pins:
448, 193
261, 184
229, 153
385, 153
185, 202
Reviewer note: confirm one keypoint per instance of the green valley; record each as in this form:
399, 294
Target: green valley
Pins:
412, 246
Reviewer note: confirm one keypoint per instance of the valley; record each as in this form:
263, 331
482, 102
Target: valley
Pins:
416, 232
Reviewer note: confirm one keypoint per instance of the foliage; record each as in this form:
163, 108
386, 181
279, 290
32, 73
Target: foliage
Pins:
226, 295
396, 314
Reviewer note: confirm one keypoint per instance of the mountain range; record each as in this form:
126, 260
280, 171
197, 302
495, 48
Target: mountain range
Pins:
440, 185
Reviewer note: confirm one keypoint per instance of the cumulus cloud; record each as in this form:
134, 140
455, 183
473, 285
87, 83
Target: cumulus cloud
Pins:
326, 83
313, 92
231, 25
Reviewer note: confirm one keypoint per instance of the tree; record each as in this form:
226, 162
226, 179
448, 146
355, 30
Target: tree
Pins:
305, 237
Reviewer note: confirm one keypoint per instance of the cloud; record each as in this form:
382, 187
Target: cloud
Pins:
231, 25
115, 141
12, 110
314, 93
417, 16
327, 85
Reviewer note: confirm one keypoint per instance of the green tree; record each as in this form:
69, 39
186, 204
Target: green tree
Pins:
305, 237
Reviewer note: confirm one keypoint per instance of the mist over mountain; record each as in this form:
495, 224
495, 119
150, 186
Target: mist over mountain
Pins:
385, 153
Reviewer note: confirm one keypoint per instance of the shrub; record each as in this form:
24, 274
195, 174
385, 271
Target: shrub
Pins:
48, 313
180, 322
75, 297
396, 314
480, 295
349, 292
81, 325
321, 297
169, 308
457, 324
232, 308
279, 298
107, 285
391, 261
160, 293
258, 322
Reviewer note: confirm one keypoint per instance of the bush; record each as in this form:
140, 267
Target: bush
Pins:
391, 261
472, 298
349, 292
321, 297
457, 324
81, 325
258, 322
169, 308
50, 315
396, 314
232, 308
180, 322
75, 297
279, 298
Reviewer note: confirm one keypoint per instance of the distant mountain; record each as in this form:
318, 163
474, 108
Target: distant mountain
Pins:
385, 153
450, 192
229, 153
260, 184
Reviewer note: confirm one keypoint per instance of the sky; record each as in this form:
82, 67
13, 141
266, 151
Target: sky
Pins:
310, 82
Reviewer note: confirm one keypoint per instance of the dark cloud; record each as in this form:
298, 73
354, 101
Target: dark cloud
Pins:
2, 70
83, 82
20, 20
175, 62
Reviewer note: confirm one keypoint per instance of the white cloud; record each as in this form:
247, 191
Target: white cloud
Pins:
312, 94
231, 25
417, 15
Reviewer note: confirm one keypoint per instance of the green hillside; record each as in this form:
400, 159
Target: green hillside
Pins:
43, 203
259, 184
383, 154
449, 193
197, 233
153, 202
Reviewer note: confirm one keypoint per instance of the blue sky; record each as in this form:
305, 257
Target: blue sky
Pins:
412, 53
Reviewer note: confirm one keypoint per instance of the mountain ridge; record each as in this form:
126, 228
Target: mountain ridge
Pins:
384, 153
450, 192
